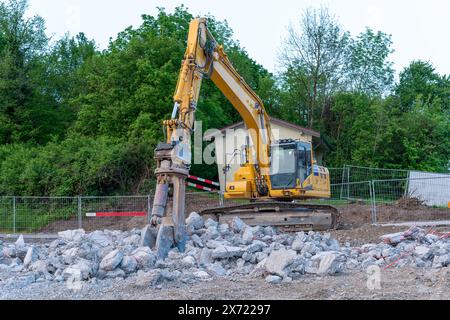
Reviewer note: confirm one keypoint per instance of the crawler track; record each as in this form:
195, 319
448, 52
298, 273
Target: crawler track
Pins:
287, 216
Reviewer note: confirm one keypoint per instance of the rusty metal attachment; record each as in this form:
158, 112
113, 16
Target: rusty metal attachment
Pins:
169, 217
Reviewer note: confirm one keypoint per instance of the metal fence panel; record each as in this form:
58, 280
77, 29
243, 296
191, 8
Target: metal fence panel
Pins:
437, 190
6, 215
411, 199
44, 214
358, 174
338, 175
118, 212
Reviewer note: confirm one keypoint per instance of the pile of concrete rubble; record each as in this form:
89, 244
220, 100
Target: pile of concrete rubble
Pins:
213, 251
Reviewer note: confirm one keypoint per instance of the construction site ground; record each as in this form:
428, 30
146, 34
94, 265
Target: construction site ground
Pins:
401, 283
396, 284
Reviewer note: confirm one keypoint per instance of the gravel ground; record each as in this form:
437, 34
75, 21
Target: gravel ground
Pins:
396, 284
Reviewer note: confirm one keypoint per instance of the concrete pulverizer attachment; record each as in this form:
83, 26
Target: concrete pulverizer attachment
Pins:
168, 217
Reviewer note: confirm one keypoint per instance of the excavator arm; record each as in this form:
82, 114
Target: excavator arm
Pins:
204, 58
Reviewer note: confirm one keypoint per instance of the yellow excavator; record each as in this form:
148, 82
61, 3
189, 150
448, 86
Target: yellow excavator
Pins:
275, 173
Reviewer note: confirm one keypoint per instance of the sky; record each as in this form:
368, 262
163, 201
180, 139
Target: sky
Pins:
419, 29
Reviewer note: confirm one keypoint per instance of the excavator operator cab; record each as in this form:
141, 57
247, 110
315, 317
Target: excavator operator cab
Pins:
291, 164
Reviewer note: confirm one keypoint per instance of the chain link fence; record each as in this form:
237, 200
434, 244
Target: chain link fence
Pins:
50, 215
411, 199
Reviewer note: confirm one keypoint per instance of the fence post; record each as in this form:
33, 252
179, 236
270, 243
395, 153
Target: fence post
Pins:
149, 208
80, 215
14, 215
371, 200
342, 183
348, 182
374, 204
221, 200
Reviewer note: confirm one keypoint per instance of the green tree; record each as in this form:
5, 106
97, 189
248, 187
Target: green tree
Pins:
315, 58
420, 79
369, 70
26, 113
422, 106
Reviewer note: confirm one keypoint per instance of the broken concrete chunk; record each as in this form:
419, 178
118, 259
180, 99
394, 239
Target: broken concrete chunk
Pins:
248, 235
144, 257
118, 273
256, 246
297, 268
78, 272
238, 225
278, 260
441, 261
129, 264
20, 241
21, 252
224, 252
413, 233
195, 221
188, 262
297, 245
111, 261
274, 279
269, 231
197, 241
247, 256
212, 233
431, 238
72, 235
309, 248
210, 223
170, 275
260, 256
39, 266
328, 263
213, 244
99, 238
133, 240
25, 281
224, 228
240, 263
202, 275
423, 252
148, 279
216, 269
205, 257
9, 252
31, 257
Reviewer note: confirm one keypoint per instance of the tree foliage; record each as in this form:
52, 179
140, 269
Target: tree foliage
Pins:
77, 120
315, 61
369, 70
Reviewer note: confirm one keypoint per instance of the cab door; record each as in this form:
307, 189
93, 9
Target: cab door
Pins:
304, 161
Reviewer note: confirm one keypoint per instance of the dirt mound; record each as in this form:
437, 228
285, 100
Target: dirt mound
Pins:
410, 203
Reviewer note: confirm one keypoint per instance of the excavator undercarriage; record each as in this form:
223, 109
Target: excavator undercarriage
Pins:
290, 217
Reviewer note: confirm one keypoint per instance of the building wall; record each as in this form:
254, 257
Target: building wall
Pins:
227, 144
